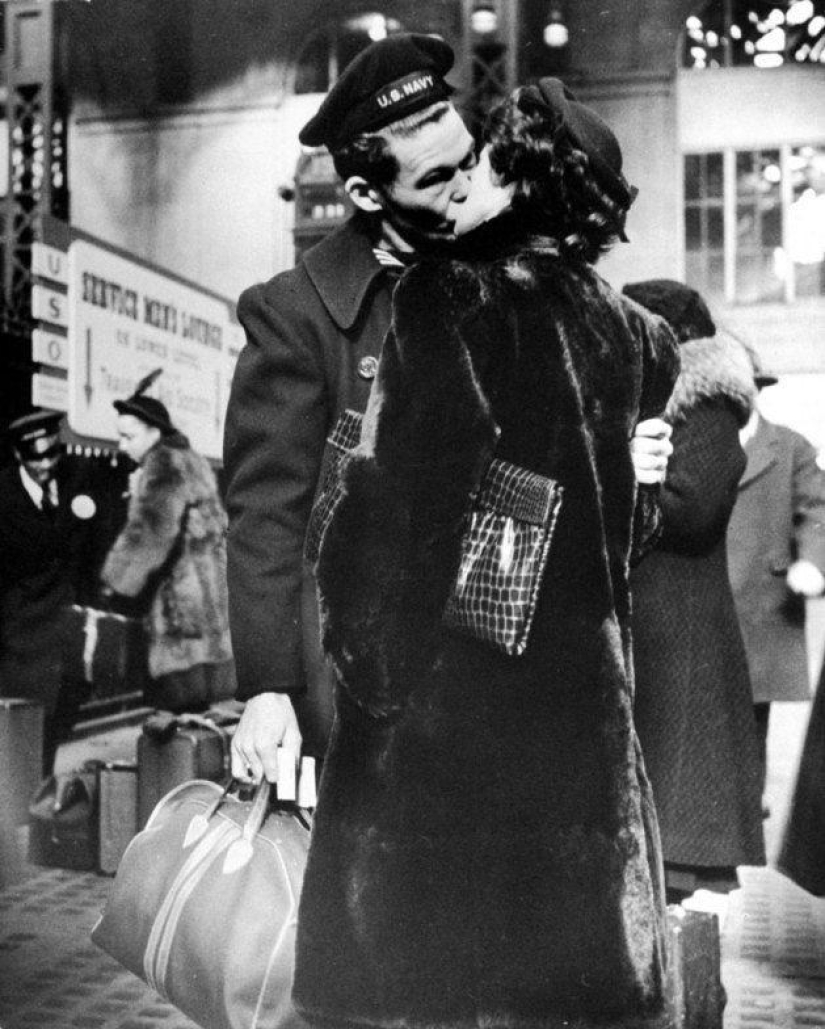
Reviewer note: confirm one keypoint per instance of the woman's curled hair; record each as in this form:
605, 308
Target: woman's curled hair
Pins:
555, 186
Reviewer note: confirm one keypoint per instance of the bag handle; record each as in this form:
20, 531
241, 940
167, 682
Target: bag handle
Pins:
240, 850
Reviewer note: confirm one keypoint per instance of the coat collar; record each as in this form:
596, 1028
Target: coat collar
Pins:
712, 368
761, 451
507, 234
342, 268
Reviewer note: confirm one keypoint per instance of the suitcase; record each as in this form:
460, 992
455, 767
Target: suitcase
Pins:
118, 812
105, 649
695, 995
63, 820
172, 749
21, 758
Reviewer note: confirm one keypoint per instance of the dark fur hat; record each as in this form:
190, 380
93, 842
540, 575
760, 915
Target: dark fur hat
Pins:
680, 306
591, 134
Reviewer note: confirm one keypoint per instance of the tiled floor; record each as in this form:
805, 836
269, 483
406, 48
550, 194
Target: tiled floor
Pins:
53, 977
773, 955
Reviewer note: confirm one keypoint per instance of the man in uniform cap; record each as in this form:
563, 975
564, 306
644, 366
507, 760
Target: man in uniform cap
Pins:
776, 556
313, 339
35, 581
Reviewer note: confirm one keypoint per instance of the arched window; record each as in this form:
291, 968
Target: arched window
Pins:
332, 47
755, 33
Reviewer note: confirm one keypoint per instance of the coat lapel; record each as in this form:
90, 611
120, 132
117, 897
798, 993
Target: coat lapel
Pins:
342, 268
761, 452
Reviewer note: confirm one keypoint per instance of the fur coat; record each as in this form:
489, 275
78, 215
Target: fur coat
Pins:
694, 713
484, 850
172, 550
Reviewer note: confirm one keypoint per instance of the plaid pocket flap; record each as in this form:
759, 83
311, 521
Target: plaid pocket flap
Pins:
517, 493
504, 550
345, 436
346, 433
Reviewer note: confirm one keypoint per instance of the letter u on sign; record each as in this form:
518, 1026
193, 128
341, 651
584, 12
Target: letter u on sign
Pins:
50, 263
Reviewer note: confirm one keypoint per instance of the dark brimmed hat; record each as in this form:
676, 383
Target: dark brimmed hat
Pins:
387, 81
36, 435
149, 410
681, 306
590, 134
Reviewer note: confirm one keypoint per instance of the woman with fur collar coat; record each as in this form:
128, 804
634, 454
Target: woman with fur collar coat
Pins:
172, 554
694, 709
485, 850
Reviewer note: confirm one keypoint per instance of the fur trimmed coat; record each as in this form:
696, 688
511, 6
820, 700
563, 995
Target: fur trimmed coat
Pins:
173, 551
485, 850
694, 713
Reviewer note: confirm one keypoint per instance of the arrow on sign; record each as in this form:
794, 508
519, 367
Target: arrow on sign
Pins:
87, 389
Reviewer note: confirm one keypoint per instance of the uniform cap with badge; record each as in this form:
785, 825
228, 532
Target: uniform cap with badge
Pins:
386, 82
36, 436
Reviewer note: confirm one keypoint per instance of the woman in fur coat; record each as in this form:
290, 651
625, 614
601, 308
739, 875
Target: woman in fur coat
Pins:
694, 709
172, 554
485, 850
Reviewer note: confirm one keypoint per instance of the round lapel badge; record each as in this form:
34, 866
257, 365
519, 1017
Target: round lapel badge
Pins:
83, 506
367, 367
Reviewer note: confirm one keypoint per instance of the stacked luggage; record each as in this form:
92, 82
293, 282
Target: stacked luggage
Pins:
85, 818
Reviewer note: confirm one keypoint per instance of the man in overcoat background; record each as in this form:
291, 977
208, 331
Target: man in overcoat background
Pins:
314, 334
776, 557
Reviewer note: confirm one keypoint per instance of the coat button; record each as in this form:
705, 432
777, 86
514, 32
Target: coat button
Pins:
367, 367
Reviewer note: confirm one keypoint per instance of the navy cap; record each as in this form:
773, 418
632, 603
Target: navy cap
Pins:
590, 134
36, 435
387, 81
681, 307
148, 410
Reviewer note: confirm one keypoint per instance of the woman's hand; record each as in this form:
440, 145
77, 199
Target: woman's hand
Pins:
267, 724
650, 449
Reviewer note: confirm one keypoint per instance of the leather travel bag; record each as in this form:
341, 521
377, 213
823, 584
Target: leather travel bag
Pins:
204, 906
63, 820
